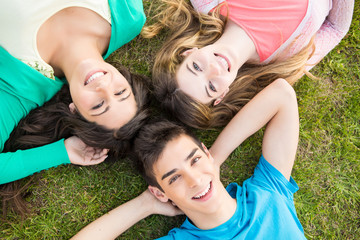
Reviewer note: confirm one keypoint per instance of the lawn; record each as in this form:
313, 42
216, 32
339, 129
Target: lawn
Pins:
327, 168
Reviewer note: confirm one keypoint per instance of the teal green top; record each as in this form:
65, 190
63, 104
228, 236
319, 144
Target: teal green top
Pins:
22, 89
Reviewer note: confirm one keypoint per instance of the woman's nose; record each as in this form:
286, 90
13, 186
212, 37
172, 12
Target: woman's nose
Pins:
104, 84
213, 69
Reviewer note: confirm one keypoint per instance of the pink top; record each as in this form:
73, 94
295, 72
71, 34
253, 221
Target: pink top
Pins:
328, 20
268, 23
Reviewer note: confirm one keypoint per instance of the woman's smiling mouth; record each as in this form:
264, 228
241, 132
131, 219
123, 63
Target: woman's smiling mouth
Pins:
92, 76
224, 61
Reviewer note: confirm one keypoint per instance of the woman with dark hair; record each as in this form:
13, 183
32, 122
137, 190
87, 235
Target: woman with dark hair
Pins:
221, 53
47, 44
33, 139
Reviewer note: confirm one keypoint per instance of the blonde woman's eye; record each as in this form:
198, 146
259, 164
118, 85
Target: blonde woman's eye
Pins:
196, 67
212, 87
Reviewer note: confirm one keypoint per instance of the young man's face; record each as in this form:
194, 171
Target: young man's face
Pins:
188, 176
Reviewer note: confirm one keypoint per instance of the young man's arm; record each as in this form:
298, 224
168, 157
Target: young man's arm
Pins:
275, 105
118, 220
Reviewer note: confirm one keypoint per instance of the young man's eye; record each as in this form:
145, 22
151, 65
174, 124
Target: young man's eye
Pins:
173, 179
120, 92
195, 160
212, 87
98, 106
196, 67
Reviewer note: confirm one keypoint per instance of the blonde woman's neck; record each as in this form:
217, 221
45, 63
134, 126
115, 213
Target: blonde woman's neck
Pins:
239, 45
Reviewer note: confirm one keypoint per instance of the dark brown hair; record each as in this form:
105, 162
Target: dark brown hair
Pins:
54, 121
151, 142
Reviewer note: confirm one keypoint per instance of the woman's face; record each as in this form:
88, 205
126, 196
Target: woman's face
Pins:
206, 73
101, 94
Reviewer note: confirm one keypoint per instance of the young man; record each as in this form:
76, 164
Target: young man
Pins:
181, 171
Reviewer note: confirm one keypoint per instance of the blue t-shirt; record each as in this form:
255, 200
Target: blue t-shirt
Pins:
265, 210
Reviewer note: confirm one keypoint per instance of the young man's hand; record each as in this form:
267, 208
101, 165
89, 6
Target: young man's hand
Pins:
158, 207
81, 154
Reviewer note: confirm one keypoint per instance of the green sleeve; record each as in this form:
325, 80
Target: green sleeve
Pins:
21, 90
127, 20
22, 163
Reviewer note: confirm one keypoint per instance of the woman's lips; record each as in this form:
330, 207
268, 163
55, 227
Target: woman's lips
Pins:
92, 76
224, 61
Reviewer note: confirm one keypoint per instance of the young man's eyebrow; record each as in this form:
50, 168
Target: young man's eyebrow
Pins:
192, 153
187, 66
168, 173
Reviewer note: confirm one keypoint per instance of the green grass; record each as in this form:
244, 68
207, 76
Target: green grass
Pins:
327, 170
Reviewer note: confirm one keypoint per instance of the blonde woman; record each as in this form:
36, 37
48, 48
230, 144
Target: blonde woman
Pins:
221, 53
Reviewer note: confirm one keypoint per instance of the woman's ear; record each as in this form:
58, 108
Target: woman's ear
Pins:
219, 99
72, 107
187, 52
158, 194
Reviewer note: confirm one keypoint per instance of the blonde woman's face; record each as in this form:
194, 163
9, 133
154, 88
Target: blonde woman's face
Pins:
205, 74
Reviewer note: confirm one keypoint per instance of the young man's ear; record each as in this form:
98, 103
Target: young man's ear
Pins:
207, 152
220, 98
205, 149
158, 194
72, 107
187, 52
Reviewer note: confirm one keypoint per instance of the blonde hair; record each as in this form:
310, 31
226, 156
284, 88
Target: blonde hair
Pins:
189, 29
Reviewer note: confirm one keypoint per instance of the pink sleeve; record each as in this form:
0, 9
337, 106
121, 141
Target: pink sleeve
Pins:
204, 6
328, 34
331, 32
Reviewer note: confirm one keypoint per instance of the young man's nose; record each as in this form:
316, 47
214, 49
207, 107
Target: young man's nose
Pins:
193, 180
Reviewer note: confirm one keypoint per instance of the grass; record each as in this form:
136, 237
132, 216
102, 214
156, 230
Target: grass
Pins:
327, 170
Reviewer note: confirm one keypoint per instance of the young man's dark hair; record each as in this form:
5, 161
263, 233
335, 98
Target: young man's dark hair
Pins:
150, 143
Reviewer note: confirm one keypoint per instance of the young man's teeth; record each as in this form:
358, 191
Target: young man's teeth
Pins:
203, 193
94, 76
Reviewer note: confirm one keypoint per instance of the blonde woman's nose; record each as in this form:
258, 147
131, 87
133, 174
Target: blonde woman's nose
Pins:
213, 69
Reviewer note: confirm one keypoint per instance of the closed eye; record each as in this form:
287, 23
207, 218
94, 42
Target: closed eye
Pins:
98, 106
120, 92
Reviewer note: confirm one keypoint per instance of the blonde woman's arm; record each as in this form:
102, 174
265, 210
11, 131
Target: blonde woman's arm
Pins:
204, 6
271, 101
